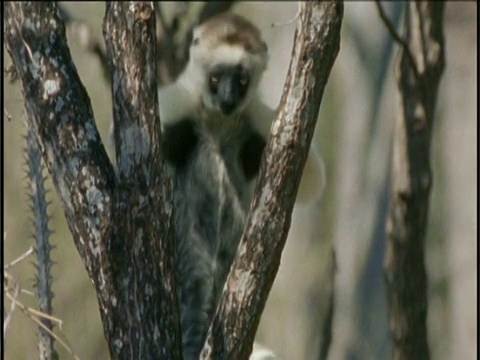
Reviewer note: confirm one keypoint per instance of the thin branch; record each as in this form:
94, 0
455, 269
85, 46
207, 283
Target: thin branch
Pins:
29, 314
43, 279
19, 259
8, 318
396, 36
404, 263
328, 321
46, 316
28, 292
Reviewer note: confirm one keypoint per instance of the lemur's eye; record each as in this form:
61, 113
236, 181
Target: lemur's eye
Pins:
214, 79
244, 79
213, 82
195, 41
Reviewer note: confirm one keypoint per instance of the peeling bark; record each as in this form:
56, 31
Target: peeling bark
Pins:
418, 75
317, 40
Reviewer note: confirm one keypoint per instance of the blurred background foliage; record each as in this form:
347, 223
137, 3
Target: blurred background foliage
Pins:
354, 134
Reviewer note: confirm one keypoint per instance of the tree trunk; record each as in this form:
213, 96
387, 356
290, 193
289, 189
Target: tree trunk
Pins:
122, 221
418, 75
121, 228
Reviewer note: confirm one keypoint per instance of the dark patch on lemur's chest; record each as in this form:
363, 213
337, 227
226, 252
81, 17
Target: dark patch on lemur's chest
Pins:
178, 142
251, 154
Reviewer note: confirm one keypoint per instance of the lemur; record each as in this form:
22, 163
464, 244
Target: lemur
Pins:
214, 130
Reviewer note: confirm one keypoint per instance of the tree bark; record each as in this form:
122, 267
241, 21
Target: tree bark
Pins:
418, 75
143, 213
121, 223
120, 228
250, 279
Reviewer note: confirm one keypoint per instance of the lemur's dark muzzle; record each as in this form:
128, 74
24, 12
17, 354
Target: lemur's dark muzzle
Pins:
228, 85
229, 95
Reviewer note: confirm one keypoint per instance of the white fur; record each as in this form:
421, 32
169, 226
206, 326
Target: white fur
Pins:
189, 95
212, 181
175, 102
231, 55
194, 78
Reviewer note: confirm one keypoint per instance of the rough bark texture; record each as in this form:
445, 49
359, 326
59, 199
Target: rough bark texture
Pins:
143, 213
404, 263
59, 114
119, 228
317, 41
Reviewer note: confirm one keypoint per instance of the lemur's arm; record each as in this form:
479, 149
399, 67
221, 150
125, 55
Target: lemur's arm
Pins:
175, 103
313, 178
179, 135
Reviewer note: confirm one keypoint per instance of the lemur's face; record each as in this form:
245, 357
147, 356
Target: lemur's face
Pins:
230, 75
230, 56
227, 87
